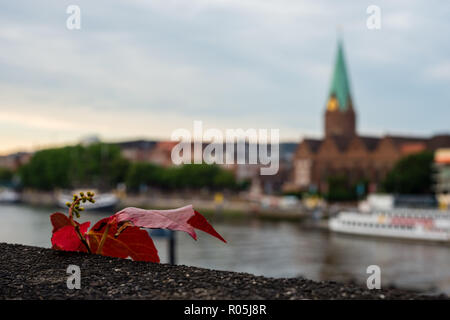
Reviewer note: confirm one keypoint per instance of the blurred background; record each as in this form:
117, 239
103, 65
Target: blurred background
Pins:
363, 114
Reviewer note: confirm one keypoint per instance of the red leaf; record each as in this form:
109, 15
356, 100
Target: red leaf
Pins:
110, 237
181, 219
66, 238
59, 220
131, 242
199, 222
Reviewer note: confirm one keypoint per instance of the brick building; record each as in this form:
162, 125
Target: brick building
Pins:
156, 152
15, 160
343, 152
442, 177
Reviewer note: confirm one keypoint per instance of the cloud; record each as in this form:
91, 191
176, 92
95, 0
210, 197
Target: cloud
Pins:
439, 71
402, 20
144, 68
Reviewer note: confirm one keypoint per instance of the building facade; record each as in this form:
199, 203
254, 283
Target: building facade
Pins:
343, 152
15, 160
442, 177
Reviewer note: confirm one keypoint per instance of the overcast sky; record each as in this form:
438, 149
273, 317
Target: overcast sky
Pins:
145, 68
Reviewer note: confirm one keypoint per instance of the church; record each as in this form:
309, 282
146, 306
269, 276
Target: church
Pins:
343, 152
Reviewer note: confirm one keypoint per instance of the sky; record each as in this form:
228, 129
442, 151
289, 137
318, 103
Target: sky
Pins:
144, 68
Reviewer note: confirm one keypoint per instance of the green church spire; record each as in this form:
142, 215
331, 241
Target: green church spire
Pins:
339, 96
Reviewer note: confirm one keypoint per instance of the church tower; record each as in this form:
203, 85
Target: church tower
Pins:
340, 117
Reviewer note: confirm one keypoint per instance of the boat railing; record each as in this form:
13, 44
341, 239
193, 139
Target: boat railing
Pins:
415, 213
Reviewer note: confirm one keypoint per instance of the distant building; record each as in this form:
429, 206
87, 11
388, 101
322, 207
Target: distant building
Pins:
15, 160
137, 150
343, 152
156, 152
442, 177
159, 152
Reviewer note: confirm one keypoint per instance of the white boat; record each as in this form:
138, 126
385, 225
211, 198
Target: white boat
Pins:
8, 196
103, 201
415, 224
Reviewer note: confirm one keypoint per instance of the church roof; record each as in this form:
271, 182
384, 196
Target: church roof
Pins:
400, 140
313, 144
341, 142
340, 85
439, 141
371, 143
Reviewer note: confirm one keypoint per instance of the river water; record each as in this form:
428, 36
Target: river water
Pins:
273, 249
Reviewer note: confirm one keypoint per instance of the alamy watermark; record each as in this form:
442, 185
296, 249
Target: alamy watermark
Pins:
374, 280
220, 147
74, 278
73, 22
373, 21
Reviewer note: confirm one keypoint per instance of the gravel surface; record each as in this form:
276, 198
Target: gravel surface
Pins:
37, 273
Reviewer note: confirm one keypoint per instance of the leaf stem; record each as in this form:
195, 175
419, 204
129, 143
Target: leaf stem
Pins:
82, 238
122, 228
77, 227
104, 236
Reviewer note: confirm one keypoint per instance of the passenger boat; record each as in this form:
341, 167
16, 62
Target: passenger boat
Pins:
416, 224
103, 201
9, 196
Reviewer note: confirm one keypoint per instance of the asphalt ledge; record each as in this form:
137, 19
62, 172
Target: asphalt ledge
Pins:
37, 273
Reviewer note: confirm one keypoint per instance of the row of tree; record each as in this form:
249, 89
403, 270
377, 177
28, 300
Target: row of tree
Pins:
189, 176
412, 174
102, 166
97, 165
6, 177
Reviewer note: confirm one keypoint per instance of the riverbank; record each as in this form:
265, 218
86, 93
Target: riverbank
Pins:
232, 208
36, 273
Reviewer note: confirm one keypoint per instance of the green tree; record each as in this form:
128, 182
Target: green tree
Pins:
189, 176
224, 180
144, 174
339, 189
6, 175
411, 175
47, 169
99, 166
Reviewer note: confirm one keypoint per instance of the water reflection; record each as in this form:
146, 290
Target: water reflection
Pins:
272, 249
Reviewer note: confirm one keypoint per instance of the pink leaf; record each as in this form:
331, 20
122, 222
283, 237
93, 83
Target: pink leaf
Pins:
181, 219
